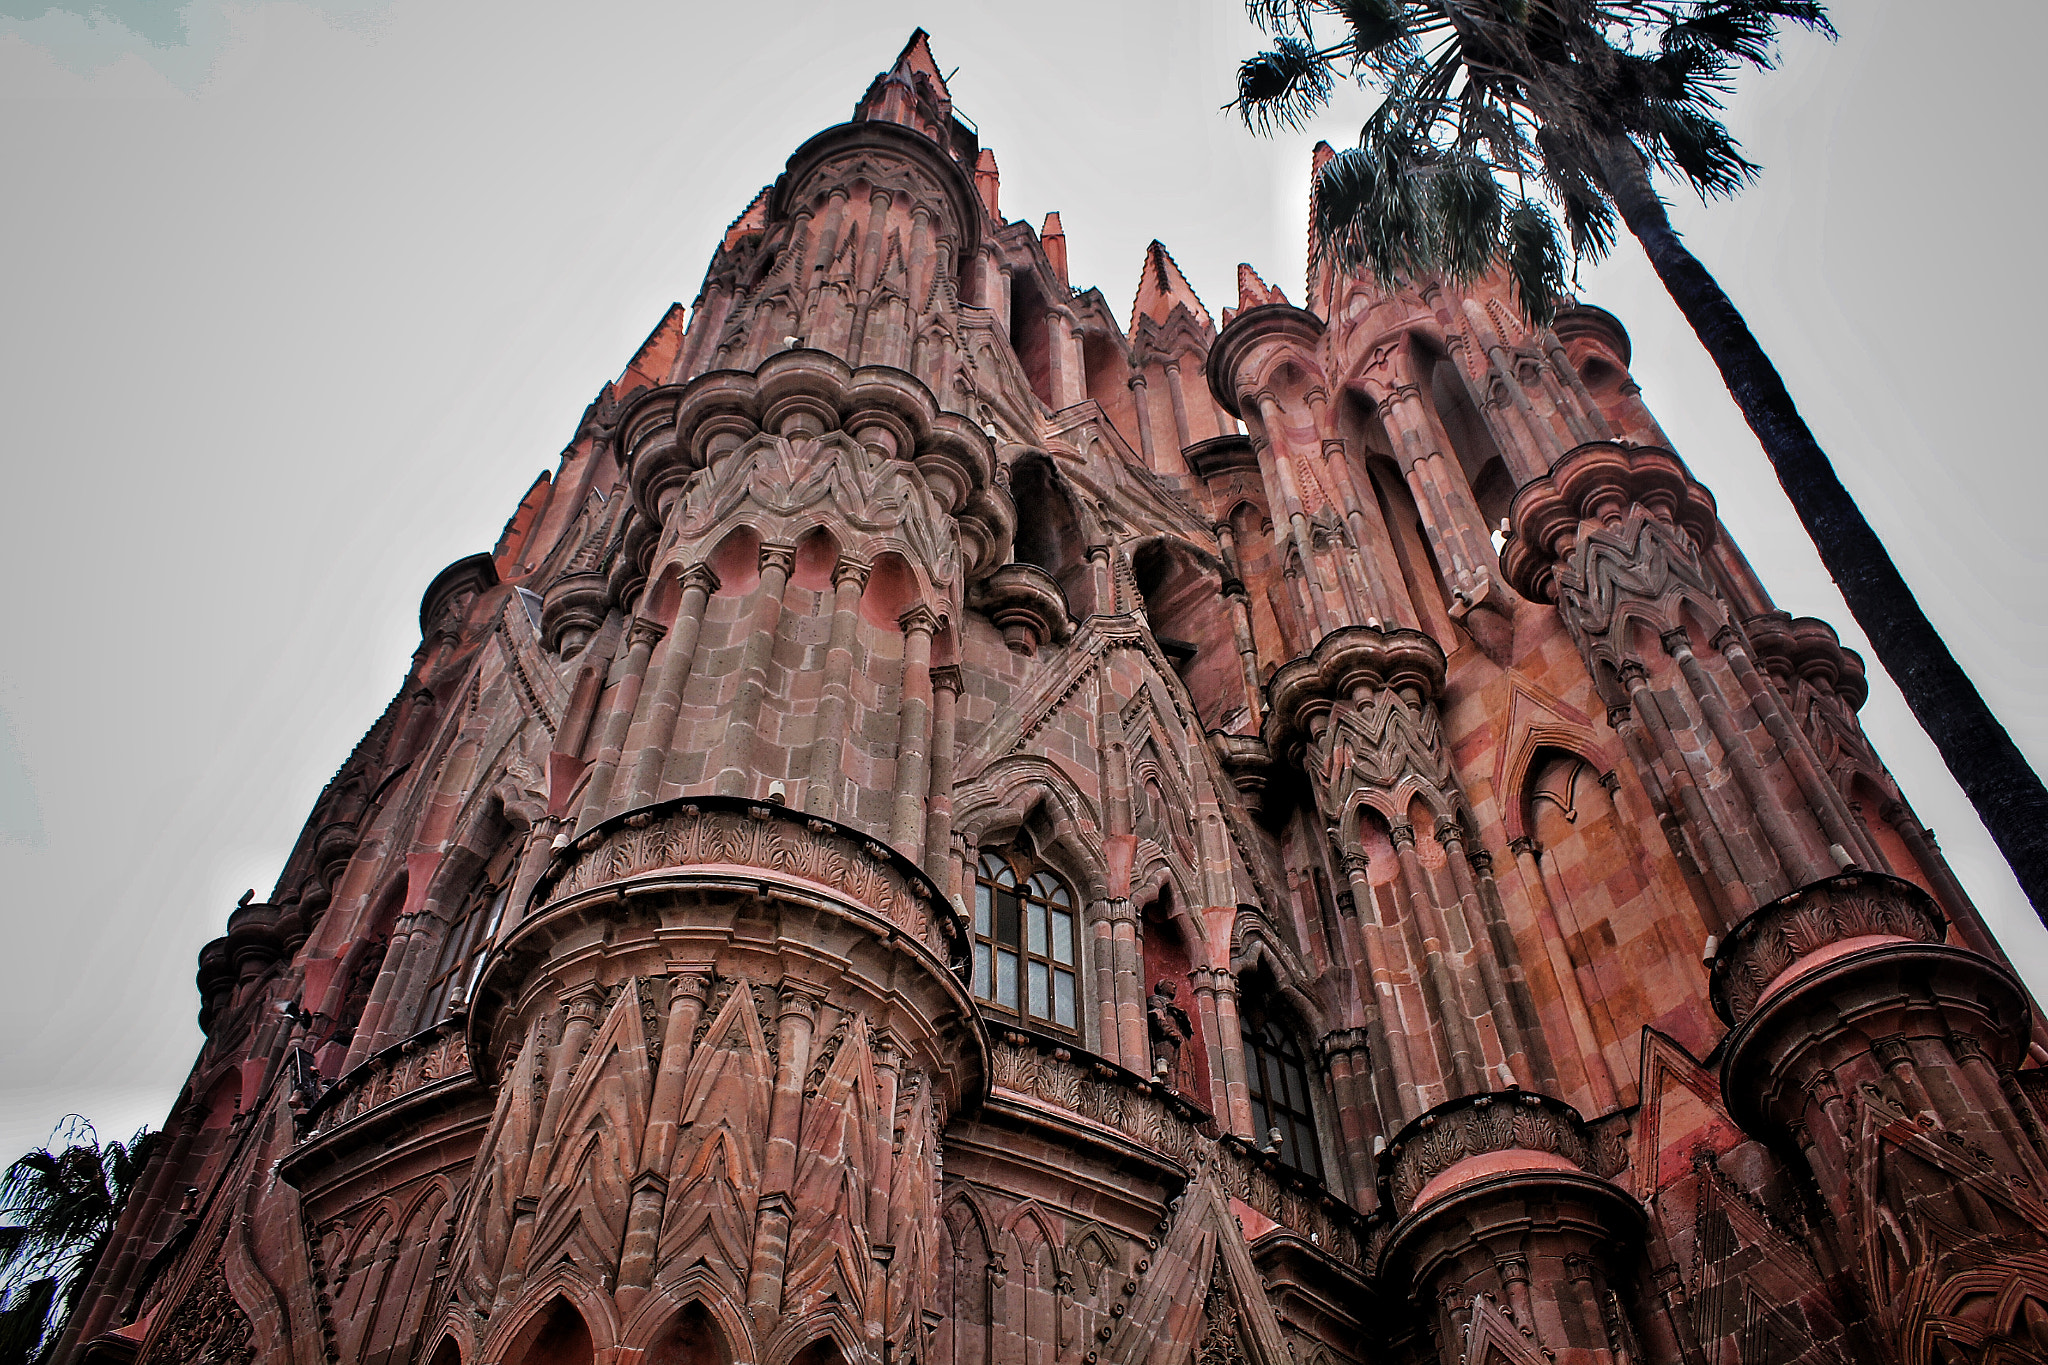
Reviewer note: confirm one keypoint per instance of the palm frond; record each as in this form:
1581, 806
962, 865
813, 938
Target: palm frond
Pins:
1534, 256
1281, 87
1696, 146
1464, 216
1374, 24
1742, 30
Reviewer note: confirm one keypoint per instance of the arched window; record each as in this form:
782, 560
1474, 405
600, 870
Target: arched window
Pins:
1024, 941
1278, 1081
462, 948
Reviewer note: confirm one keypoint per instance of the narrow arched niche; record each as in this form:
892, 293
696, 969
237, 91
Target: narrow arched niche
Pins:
737, 561
692, 1338
447, 1353
1049, 531
557, 1335
1192, 625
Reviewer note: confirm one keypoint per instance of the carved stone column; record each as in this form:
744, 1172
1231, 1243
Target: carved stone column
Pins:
1869, 1051
1509, 1226
699, 582
913, 735
821, 792
734, 765
617, 720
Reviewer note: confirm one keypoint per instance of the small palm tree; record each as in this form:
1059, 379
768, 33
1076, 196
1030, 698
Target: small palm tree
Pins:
58, 1206
1501, 117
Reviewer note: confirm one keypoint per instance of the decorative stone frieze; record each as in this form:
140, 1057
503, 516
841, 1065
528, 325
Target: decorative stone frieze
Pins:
1817, 923
1474, 1126
706, 836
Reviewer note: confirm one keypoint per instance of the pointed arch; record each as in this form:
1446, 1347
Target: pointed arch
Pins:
556, 1333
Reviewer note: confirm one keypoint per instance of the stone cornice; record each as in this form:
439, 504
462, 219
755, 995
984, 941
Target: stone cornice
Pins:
1595, 483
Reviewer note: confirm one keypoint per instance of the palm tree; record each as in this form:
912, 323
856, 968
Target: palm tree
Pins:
59, 1208
1576, 104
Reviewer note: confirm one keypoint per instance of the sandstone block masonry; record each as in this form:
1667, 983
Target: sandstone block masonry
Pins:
953, 829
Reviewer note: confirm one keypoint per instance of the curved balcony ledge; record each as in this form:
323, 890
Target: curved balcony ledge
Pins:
1048, 1073
713, 836
1479, 1136
405, 1084
1796, 935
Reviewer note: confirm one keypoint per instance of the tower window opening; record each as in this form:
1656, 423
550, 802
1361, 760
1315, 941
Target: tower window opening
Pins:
1278, 1081
1024, 942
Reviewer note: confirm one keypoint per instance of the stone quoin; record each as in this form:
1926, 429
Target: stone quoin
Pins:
953, 830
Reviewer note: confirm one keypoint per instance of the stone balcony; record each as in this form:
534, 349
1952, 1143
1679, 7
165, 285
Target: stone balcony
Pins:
411, 1090
729, 838
1033, 1071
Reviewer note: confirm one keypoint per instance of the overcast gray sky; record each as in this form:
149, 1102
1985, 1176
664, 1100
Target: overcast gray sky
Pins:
297, 298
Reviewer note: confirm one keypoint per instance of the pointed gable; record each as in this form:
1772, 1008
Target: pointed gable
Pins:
1162, 288
1253, 292
753, 218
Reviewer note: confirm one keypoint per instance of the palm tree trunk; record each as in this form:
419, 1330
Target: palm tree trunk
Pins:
2007, 792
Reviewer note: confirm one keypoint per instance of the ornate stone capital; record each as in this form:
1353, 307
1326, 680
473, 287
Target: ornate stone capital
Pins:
701, 577
1402, 835
799, 1000
919, 619
645, 631
946, 678
780, 558
851, 570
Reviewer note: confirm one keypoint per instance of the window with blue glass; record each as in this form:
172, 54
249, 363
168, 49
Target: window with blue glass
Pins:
1025, 942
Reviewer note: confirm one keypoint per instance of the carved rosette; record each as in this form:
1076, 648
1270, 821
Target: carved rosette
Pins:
1815, 924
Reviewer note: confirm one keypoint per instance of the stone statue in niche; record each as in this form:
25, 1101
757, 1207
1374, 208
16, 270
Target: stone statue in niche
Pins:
1168, 1024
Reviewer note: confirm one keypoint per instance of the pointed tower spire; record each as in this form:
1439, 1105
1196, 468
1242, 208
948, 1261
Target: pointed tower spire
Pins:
986, 182
1054, 238
753, 218
1162, 288
912, 92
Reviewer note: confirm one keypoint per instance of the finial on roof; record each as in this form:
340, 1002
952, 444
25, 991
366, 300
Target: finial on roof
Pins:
1054, 238
1162, 288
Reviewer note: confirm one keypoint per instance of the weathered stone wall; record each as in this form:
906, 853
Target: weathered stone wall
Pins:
1493, 938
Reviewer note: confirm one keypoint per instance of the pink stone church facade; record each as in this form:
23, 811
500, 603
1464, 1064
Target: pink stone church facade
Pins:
956, 830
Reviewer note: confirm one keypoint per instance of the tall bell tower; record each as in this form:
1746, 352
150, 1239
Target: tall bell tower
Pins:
956, 828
